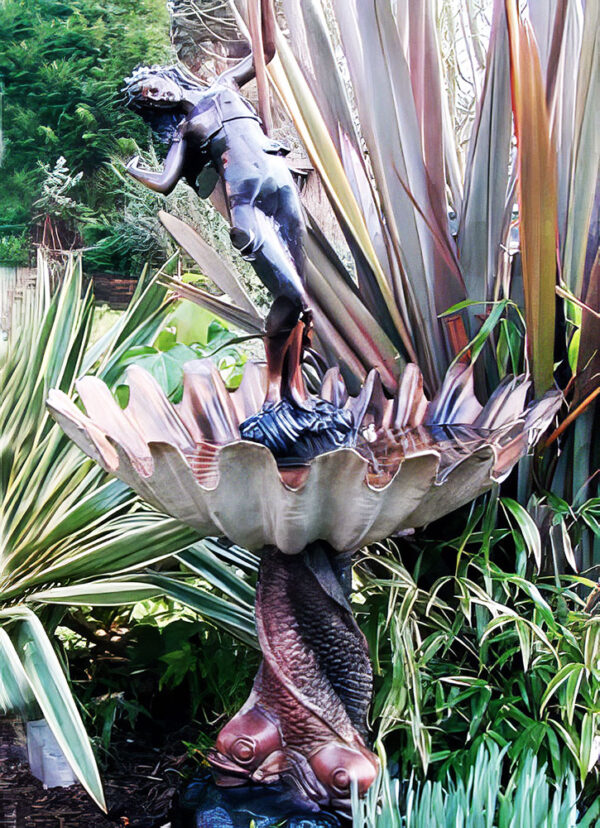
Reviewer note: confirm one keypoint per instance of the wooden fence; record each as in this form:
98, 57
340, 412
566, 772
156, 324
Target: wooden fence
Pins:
14, 282
109, 288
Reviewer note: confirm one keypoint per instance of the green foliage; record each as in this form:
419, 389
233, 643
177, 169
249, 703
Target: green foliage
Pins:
162, 662
165, 359
14, 250
69, 529
104, 712
220, 345
63, 519
55, 200
180, 635
482, 654
125, 238
63, 65
478, 800
218, 669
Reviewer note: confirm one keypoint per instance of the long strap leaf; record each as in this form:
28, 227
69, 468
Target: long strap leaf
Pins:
537, 195
51, 690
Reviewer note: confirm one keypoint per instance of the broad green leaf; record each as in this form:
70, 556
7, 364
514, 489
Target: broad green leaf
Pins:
524, 634
570, 739
532, 592
591, 646
164, 364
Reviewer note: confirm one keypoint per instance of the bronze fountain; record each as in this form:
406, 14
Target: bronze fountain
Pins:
307, 479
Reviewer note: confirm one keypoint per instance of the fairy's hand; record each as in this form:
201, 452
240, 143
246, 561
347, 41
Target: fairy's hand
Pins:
132, 165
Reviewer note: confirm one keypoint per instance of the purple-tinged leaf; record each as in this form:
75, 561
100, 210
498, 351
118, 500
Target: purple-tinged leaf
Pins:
585, 158
482, 228
212, 265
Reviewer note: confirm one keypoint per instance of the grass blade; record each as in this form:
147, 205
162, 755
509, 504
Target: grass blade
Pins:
529, 530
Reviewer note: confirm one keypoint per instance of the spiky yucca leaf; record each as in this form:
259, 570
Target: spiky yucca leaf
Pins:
63, 519
40, 667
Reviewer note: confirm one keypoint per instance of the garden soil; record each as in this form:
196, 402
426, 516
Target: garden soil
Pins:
141, 784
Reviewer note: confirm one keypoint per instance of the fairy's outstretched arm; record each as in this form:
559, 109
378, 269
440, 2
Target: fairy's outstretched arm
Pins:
165, 181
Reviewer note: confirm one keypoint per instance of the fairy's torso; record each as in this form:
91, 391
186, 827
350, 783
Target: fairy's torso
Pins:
226, 128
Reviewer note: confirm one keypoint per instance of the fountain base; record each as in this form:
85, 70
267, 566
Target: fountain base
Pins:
304, 724
204, 804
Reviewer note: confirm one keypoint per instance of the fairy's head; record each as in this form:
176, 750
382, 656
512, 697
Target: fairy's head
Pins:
158, 93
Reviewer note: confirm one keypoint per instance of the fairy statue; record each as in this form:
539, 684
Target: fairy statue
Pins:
214, 133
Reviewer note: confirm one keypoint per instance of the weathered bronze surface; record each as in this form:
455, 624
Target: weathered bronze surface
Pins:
305, 721
292, 424
206, 805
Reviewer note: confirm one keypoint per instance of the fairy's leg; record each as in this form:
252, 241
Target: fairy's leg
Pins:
257, 239
291, 224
